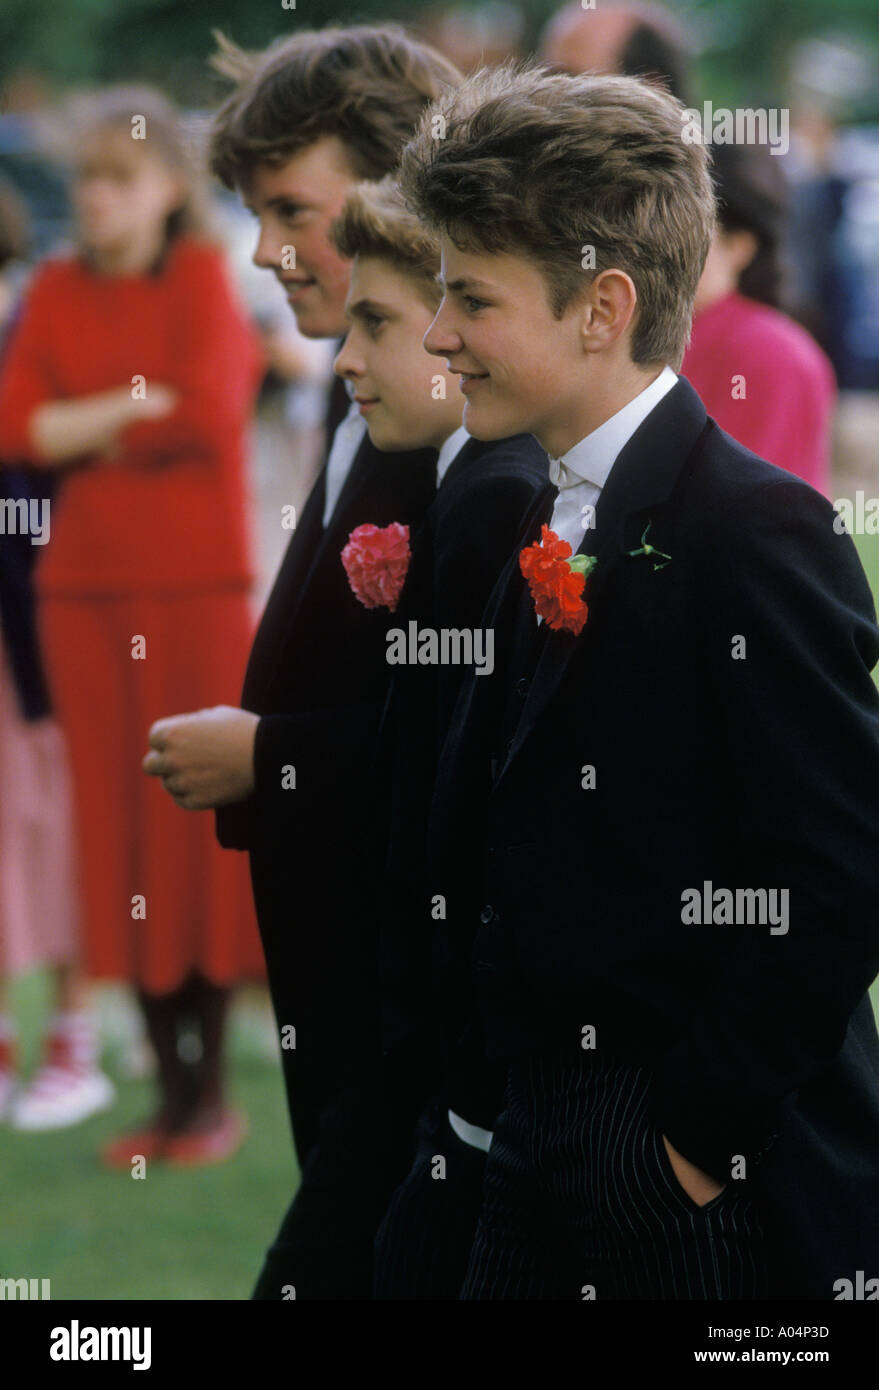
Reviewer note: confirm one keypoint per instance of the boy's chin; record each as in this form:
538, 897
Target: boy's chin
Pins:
391, 442
489, 424
319, 320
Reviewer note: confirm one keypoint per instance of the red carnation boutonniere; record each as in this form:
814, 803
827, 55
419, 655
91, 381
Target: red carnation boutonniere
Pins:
376, 560
557, 579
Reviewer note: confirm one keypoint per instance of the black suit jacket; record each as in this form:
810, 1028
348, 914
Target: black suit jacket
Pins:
318, 677
745, 769
468, 535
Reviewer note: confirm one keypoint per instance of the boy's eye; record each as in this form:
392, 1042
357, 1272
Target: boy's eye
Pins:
474, 304
372, 322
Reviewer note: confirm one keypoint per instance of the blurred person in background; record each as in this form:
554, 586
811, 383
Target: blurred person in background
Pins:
38, 897
131, 376
14, 245
833, 244
762, 377
28, 134
631, 39
474, 36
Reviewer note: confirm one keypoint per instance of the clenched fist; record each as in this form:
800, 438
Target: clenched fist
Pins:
204, 759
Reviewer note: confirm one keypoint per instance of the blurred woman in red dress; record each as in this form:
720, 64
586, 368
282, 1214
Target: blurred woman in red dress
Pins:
133, 372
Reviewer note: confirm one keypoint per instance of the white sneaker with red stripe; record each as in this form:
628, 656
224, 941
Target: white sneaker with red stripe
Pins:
68, 1087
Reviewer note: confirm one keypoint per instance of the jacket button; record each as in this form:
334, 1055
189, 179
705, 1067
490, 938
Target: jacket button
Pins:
486, 915
522, 686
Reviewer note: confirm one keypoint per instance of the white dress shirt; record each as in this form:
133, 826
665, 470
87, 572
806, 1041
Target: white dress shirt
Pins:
471, 1134
582, 472
449, 451
346, 441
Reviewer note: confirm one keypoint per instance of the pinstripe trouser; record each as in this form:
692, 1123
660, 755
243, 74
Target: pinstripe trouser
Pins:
580, 1199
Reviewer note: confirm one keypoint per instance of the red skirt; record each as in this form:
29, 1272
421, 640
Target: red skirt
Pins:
133, 840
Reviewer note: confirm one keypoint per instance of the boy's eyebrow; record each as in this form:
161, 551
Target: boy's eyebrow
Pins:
279, 200
465, 282
366, 306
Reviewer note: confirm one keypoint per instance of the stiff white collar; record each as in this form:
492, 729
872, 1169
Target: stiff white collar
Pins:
449, 451
595, 455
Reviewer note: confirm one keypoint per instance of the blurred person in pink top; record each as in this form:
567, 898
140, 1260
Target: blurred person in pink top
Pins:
762, 377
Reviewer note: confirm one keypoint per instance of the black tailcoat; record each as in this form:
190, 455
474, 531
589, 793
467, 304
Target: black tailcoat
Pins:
714, 723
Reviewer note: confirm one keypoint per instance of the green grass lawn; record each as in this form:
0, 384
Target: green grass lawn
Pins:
173, 1234
868, 549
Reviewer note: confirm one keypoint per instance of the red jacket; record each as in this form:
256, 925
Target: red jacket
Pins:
168, 515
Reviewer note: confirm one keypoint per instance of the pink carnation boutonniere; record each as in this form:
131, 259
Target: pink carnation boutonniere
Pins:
557, 579
376, 560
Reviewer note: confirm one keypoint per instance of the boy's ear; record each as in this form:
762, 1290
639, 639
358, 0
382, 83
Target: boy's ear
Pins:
607, 309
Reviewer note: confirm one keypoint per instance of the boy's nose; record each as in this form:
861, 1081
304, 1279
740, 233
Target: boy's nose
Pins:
440, 338
266, 255
347, 362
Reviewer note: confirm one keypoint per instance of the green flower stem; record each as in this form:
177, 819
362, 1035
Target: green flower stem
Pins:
645, 549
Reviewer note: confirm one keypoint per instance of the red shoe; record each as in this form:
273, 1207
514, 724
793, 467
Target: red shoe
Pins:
212, 1146
141, 1143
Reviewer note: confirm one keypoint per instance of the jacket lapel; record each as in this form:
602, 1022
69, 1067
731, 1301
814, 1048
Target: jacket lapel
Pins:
643, 476
313, 535
312, 542
460, 462
352, 508
265, 656
359, 477
500, 615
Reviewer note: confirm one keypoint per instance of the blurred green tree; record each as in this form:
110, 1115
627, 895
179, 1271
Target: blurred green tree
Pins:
744, 44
